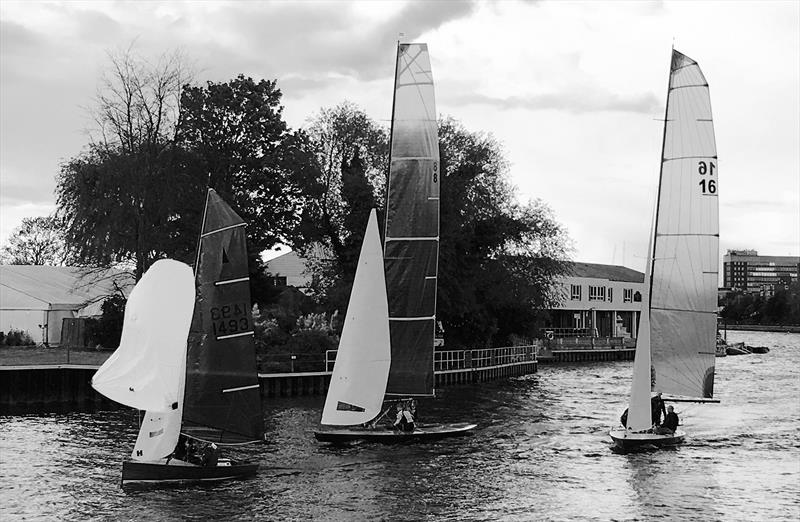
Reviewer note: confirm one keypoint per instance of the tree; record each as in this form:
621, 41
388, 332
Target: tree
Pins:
37, 241
238, 140
499, 260
128, 198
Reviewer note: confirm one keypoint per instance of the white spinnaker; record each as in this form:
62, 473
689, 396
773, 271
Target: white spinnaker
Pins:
146, 372
361, 370
685, 268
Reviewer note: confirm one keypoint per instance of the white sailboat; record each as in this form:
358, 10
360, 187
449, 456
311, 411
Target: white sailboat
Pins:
407, 301
675, 350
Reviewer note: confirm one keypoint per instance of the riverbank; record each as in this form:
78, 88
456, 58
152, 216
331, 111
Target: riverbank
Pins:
762, 328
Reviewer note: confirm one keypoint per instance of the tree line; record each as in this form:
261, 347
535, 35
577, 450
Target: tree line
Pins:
135, 194
781, 308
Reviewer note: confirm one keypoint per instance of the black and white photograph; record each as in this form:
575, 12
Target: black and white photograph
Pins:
402, 260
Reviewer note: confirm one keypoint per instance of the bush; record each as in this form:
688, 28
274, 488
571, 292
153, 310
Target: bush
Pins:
17, 338
107, 329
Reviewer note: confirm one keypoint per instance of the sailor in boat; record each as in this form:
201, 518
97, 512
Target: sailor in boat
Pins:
405, 419
210, 456
657, 409
670, 423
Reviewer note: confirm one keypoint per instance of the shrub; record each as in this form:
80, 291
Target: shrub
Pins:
16, 337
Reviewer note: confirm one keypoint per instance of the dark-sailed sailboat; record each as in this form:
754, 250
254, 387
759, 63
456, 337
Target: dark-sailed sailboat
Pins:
410, 258
675, 351
187, 358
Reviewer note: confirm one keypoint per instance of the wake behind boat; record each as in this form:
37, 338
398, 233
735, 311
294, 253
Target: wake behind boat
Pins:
676, 348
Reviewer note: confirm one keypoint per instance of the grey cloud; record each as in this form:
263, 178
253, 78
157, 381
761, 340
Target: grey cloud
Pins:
326, 35
589, 100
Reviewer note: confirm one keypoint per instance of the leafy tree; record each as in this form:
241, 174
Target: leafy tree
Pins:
499, 260
127, 197
37, 241
238, 140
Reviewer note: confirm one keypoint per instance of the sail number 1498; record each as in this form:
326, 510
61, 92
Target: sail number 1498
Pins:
708, 185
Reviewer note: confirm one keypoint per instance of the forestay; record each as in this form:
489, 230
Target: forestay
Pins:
411, 245
222, 400
147, 369
685, 259
359, 376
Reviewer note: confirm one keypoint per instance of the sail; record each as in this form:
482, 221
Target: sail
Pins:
222, 401
147, 369
359, 376
411, 245
158, 435
683, 301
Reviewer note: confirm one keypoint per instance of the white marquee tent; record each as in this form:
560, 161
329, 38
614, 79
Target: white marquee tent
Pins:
37, 298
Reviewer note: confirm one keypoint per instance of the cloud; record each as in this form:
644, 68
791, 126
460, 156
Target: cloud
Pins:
578, 101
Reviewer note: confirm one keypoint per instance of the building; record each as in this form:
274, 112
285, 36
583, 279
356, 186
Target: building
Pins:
745, 270
36, 299
288, 269
599, 301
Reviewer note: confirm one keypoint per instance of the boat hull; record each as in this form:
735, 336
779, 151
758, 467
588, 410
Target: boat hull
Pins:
178, 473
388, 436
625, 439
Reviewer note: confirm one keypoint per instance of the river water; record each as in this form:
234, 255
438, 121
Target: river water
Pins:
542, 452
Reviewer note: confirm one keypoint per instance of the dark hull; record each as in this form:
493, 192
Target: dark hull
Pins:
421, 434
155, 473
629, 440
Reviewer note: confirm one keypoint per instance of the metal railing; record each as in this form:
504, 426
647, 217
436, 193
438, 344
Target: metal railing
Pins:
448, 360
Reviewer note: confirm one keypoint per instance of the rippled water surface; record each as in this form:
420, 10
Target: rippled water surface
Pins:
542, 451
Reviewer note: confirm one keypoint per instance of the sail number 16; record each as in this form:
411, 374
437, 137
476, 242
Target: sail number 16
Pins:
707, 185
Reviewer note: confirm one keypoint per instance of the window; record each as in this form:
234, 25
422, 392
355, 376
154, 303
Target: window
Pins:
597, 293
637, 297
610, 295
575, 292
627, 295
278, 281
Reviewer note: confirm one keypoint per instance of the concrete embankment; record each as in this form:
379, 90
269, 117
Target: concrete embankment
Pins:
67, 388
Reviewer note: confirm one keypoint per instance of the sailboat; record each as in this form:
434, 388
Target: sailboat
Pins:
187, 358
675, 350
410, 264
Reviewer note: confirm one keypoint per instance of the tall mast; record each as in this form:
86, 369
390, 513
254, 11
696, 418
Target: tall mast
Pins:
652, 254
389, 166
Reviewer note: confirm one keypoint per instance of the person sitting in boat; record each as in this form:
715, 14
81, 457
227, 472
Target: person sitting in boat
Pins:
657, 409
404, 420
670, 423
191, 453
210, 456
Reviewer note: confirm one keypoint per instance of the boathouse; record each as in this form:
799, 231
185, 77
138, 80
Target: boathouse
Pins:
598, 301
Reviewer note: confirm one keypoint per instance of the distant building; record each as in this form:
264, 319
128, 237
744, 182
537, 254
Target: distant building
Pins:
745, 270
288, 269
36, 299
599, 300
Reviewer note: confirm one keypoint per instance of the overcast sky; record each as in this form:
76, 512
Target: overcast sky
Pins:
573, 90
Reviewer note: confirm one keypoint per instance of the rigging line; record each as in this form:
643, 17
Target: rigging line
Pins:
223, 229
689, 157
685, 235
431, 238
231, 281
688, 86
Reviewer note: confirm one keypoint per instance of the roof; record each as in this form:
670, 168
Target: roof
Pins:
37, 287
610, 272
288, 264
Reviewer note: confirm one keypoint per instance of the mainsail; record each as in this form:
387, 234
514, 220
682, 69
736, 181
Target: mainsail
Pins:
411, 246
683, 294
359, 376
222, 399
